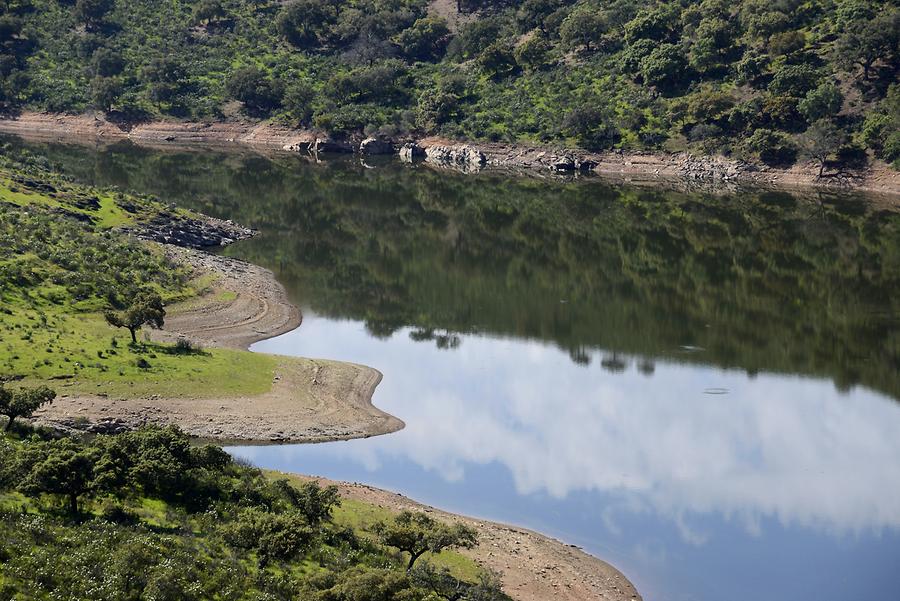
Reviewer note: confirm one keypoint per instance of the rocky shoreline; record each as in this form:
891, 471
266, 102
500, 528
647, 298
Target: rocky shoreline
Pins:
683, 167
199, 232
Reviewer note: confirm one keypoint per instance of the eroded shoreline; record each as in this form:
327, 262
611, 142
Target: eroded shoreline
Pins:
641, 167
314, 400
532, 566
311, 400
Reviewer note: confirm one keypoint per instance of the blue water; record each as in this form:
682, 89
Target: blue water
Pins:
698, 483
776, 480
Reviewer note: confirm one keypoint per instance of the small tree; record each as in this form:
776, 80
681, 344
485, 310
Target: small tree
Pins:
66, 470
822, 140
417, 533
145, 308
23, 402
105, 91
92, 12
583, 28
822, 103
426, 40
312, 501
255, 89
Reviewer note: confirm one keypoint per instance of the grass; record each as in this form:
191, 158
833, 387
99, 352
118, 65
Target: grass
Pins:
108, 215
57, 271
80, 353
361, 516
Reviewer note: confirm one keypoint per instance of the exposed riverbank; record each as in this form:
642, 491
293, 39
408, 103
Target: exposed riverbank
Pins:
468, 157
311, 400
533, 567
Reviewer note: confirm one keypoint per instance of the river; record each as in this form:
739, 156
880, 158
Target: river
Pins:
700, 388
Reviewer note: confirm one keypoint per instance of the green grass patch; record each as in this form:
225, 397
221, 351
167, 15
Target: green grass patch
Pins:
59, 272
361, 516
79, 354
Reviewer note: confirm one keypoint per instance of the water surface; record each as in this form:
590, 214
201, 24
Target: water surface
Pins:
701, 389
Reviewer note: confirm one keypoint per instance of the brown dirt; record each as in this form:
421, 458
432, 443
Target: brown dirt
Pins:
533, 567
311, 400
245, 304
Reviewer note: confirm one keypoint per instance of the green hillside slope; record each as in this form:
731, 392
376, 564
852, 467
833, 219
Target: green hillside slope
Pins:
767, 80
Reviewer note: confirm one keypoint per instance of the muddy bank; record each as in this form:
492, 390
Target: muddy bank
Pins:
311, 400
533, 567
639, 167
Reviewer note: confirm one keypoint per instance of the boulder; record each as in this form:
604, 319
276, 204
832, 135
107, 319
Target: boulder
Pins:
464, 157
410, 151
586, 165
325, 145
562, 163
371, 146
297, 147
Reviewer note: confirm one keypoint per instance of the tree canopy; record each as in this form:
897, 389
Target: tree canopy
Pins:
527, 66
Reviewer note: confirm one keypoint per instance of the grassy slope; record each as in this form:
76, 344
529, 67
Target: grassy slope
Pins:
48, 336
159, 516
54, 535
360, 516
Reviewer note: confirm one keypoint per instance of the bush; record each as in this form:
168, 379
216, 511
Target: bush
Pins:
255, 90
773, 148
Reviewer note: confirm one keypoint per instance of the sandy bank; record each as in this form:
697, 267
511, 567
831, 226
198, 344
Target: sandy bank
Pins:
639, 167
311, 400
533, 567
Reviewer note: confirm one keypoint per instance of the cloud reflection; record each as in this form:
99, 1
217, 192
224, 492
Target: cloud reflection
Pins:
772, 446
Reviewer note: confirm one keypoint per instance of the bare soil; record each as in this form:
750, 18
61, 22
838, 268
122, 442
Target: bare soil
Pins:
532, 567
311, 400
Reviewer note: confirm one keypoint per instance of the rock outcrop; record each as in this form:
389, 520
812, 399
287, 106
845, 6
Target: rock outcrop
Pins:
372, 146
208, 232
325, 145
464, 157
411, 151
298, 147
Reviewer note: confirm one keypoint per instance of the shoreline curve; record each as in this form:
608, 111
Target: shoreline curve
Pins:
311, 400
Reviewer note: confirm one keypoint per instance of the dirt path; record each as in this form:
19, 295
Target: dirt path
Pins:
311, 400
533, 567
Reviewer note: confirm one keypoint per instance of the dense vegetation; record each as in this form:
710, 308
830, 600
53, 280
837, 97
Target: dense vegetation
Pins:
763, 281
776, 81
62, 266
148, 516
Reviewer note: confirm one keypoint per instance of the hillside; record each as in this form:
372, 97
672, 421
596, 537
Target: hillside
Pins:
146, 515
772, 82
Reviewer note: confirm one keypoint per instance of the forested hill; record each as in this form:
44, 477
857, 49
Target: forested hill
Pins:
751, 78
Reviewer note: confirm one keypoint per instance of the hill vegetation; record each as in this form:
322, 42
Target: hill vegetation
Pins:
147, 516
773, 81
62, 266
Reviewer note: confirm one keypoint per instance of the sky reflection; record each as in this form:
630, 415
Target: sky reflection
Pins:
714, 457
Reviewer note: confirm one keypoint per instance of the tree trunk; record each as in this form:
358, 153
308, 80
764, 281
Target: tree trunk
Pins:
133, 335
9, 423
821, 168
73, 503
412, 559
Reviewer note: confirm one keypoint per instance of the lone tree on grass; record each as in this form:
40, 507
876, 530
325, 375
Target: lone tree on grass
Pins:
145, 308
417, 533
23, 402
